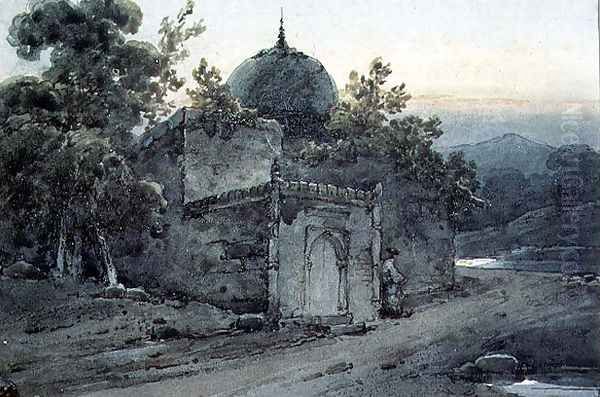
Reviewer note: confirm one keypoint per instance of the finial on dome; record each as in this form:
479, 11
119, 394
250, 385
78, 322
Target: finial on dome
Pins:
281, 43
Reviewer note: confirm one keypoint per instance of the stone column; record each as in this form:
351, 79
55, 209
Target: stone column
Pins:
273, 253
376, 246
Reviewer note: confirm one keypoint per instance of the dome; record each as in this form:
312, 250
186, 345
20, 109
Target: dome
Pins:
283, 83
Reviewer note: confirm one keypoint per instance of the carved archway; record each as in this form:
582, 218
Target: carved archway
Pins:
326, 280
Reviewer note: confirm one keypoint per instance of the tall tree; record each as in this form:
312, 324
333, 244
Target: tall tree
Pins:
219, 108
64, 137
368, 122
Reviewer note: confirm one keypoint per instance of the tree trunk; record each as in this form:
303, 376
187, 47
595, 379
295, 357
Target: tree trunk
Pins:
68, 255
109, 271
74, 262
62, 246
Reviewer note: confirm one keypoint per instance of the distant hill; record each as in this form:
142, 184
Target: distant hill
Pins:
472, 120
523, 238
507, 151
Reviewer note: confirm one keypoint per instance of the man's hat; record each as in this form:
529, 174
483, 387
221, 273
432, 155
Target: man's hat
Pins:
392, 251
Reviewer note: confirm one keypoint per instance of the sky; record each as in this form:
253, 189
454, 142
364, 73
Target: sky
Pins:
533, 50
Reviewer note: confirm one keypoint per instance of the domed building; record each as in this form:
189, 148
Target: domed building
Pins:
287, 85
250, 228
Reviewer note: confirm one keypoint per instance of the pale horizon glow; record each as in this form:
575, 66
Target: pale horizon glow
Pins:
529, 50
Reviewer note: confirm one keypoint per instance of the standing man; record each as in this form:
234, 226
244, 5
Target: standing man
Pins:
393, 281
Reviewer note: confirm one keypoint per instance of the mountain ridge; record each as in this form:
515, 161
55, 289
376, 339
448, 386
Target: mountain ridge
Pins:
509, 150
503, 138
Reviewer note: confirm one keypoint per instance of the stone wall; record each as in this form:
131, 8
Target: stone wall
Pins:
215, 257
213, 166
193, 256
302, 218
423, 237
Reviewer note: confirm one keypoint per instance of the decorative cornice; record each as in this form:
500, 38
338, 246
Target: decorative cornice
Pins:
228, 199
327, 192
299, 189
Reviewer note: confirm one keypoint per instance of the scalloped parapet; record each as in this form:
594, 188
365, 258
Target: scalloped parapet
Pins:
301, 189
228, 199
323, 191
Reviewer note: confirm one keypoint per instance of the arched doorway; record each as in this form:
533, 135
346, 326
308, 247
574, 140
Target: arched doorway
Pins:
325, 292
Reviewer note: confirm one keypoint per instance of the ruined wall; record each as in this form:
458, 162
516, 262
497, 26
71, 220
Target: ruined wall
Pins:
299, 215
214, 166
423, 237
190, 257
218, 257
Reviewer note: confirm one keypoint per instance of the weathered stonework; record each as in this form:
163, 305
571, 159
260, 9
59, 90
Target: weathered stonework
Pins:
247, 232
314, 213
405, 220
241, 162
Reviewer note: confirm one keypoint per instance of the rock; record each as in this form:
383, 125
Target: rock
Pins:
114, 292
314, 376
8, 388
468, 371
155, 192
351, 329
34, 329
23, 270
575, 280
497, 363
588, 278
165, 333
332, 320
137, 294
175, 304
250, 322
339, 368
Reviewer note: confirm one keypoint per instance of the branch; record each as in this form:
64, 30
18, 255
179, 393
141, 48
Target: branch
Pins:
477, 200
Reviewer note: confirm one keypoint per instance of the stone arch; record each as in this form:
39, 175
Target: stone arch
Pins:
322, 283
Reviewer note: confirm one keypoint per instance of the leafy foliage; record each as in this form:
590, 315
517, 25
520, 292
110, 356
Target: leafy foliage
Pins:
365, 105
367, 123
578, 173
64, 137
50, 175
174, 35
106, 82
219, 107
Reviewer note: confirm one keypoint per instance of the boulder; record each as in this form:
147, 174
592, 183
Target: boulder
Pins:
137, 294
114, 292
314, 376
203, 318
164, 333
468, 371
339, 368
250, 322
349, 329
175, 304
23, 270
588, 278
8, 388
333, 320
497, 363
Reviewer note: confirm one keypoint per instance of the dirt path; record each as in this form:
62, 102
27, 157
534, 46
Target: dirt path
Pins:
422, 348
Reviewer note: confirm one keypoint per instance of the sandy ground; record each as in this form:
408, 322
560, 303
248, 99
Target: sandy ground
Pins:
536, 317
